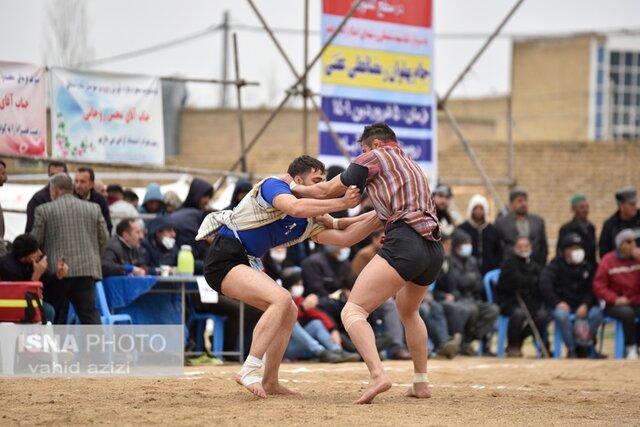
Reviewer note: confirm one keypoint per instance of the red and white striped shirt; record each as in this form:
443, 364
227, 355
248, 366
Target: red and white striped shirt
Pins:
399, 190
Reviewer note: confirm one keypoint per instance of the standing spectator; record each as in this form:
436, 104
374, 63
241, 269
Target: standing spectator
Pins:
26, 263
241, 189
617, 282
42, 196
121, 255
566, 285
75, 231
114, 194
85, 180
485, 239
465, 282
101, 188
3, 179
171, 202
442, 198
627, 216
581, 226
159, 245
520, 223
153, 202
520, 275
125, 208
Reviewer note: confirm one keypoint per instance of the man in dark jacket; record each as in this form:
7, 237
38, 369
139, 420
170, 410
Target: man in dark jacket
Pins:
520, 275
485, 239
121, 255
42, 196
159, 245
519, 222
566, 286
83, 187
324, 271
242, 188
465, 284
581, 226
188, 218
627, 216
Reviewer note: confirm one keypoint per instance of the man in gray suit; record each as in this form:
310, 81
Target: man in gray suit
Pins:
76, 231
520, 223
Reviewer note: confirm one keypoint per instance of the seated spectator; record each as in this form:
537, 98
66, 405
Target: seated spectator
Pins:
325, 270
122, 255
315, 334
519, 276
627, 216
566, 287
444, 344
617, 282
159, 245
275, 261
465, 284
485, 239
581, 225
125, 208
367, 253
26, 263
114, 193
171, 201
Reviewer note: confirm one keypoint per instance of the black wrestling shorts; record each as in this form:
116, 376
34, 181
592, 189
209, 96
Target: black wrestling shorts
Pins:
224, 254
415, 258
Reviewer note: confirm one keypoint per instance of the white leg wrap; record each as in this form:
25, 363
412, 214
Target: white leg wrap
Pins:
352, 313
250, 372
419, 378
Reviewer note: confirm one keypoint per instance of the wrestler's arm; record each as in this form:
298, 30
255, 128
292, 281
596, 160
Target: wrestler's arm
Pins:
341, 223
354, 175
307, 208
354, 233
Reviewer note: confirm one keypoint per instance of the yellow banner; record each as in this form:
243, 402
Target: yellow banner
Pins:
376, 69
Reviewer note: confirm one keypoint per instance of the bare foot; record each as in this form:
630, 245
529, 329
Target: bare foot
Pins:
280, 389
255, 388
419, 390
375, 387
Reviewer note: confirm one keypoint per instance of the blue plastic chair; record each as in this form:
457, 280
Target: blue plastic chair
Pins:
106, 317
618, 340
201, 323
558, 341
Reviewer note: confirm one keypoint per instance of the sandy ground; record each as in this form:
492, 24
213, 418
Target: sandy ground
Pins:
466, 391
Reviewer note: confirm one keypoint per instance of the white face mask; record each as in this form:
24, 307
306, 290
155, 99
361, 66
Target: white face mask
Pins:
343, 255
168, 242
465, 250
278, 256
526, 254
577, 256
297, 291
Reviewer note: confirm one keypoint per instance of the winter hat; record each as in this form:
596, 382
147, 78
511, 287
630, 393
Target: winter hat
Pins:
459, 237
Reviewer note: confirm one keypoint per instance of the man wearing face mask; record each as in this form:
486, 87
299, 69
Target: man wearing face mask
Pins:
275, 261
159, 246
566, 286
520, 275
325, 270
465, 283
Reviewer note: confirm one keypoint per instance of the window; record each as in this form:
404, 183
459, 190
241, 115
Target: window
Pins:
624, 94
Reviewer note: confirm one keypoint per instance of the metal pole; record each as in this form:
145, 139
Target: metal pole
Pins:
305, 109
225, 57
243, 158
334, 136
509, 141
474, 158
481, 51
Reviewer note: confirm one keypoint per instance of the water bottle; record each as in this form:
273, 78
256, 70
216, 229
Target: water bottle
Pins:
185, 261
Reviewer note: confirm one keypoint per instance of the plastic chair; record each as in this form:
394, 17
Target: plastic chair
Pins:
558, 341
201, 322
618, 340
106, 317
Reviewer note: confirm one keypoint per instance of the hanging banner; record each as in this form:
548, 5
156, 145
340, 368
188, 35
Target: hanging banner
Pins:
106, 117
379, 69
23, 115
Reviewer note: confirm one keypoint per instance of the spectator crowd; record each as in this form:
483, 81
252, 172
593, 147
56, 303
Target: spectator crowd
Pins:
80, 230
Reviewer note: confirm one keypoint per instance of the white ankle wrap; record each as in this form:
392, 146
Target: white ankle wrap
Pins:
250, 372
420, 378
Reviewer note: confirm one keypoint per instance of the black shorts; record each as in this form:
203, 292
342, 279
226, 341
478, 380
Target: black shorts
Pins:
415, 258
224, 254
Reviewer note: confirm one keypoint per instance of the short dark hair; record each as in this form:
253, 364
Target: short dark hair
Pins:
57, 164
380, 131
92, 175
130, 195
124, 226
114, 188
304, 164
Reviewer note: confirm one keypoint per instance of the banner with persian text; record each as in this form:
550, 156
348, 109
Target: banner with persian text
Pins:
23, 114
379, 69
106, 117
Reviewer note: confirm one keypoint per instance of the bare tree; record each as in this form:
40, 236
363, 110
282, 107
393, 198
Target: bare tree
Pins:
66, 37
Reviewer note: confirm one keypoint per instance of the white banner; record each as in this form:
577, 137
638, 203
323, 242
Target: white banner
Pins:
23, 116
106, 117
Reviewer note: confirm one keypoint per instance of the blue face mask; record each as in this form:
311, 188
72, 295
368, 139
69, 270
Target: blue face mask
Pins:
465, 250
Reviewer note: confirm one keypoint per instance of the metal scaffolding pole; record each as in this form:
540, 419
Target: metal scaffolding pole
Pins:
243, 159
305, 58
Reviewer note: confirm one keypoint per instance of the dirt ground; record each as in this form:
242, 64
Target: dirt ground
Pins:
466, 391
